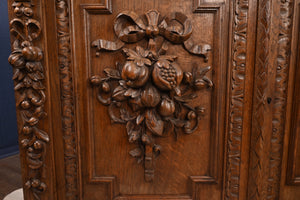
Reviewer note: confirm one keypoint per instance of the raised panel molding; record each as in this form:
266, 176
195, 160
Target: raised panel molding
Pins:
202, 6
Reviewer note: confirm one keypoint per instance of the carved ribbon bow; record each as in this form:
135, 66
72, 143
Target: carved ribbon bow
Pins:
130, 28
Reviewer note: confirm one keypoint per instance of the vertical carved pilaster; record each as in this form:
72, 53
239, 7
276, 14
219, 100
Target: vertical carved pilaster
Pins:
65, 66
240, 23
26, 59
269, 98
280, 96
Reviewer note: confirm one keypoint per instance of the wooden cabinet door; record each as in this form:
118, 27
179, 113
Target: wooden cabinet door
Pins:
160, 99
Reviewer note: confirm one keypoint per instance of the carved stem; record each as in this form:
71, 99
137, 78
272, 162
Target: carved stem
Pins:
149, 169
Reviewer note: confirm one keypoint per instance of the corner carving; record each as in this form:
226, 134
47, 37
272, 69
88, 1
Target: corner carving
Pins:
29, 88
150, 93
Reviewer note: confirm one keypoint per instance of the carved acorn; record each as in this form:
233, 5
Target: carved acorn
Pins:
150, 96
134, 75
167, 107
167, 75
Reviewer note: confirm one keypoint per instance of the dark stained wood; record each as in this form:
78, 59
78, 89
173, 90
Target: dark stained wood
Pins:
10, 173
134, 99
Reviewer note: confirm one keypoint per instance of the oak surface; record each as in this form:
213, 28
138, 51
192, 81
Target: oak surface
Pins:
159, 99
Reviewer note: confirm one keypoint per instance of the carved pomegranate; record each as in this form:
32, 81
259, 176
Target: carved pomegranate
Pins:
167, 107
150, 96
134, 75
167, 75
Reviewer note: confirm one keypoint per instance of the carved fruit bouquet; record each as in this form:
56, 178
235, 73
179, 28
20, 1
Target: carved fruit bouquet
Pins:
150, 93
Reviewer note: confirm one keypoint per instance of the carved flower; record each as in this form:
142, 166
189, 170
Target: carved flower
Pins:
167, 74
135, 72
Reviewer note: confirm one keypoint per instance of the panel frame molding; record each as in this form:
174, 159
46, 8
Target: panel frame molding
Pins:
291, 177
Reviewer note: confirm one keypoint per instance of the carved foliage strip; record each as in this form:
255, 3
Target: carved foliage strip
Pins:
29, 88
264, 178
149, 92
278, 118
237, 99
64, 53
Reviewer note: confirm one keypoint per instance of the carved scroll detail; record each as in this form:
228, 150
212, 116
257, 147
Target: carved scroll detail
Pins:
28, 76
64, 59
150, 93
237, 99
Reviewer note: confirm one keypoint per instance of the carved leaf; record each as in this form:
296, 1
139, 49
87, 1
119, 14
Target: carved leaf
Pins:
19, 86
38, 85
137, 152
112, 113
186, 98
34, 163
130, 127
178, 123
112, 73
18, 75
36, 76
126, 115
42, 135
154, 123
140, 119
169, 128
132, 93
136, 57
118, 93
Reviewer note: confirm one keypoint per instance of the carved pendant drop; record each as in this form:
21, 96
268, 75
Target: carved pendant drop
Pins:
150, 93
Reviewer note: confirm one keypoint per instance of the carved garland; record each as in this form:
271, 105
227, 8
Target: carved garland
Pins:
149, 92
64, 58
240, 24
30, 97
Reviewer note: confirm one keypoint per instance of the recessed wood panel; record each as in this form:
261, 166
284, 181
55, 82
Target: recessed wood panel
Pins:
107, 139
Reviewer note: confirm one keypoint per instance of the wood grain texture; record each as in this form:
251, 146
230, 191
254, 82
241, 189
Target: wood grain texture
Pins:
239, 148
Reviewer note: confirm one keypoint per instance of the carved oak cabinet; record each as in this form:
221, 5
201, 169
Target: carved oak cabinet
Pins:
157, 99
